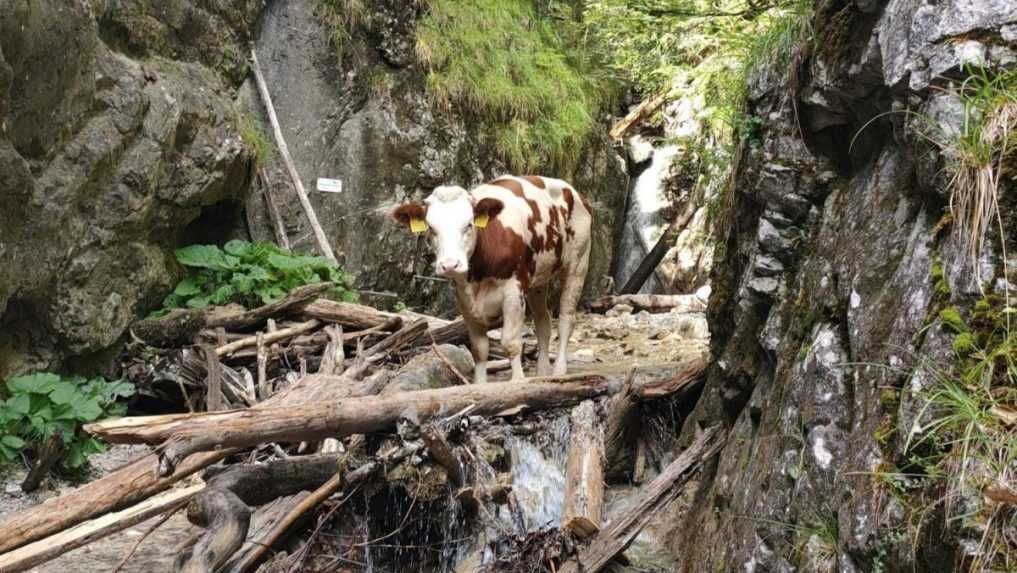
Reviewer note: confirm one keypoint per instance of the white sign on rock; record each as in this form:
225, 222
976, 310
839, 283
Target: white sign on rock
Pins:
330, 185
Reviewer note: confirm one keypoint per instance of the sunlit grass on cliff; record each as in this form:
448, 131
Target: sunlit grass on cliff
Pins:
503, 63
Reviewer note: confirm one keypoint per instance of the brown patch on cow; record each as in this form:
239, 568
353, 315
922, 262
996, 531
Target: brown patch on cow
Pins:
570, 200
537, 181
512, 185
407, 211
499, 253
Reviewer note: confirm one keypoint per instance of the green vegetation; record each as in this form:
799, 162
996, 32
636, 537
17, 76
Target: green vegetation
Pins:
256, 139
512, 68
38, 406
248, 273
979, 153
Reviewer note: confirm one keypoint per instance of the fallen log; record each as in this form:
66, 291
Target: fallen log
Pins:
186, 434
141, 479
658, 494
224, 507
258, 315
41, 551
284, 153
651, 302
584, 472
441, 453
281, 334
278, 530
348, 314
624, 426
642, 111
652, 259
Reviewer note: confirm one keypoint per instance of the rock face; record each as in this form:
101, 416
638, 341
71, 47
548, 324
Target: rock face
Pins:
366, 118
117, 132
823, 294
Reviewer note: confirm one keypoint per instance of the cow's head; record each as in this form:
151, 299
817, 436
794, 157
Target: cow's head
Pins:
451, 219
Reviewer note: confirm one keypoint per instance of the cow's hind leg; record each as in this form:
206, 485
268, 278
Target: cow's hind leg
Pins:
537, 299
513, 313
572, 279
478, 346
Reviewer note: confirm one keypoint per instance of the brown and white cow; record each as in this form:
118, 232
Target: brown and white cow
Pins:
501, 243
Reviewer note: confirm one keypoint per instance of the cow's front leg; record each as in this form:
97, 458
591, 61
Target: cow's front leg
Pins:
513, 313
478, 347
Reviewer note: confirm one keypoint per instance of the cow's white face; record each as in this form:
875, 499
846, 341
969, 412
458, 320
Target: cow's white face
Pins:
451, 218
451, 232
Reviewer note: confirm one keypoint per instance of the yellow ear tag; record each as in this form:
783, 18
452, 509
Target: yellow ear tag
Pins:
480, 221
418, 225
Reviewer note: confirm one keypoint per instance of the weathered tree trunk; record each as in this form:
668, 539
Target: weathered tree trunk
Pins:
183, 435
41, 551
641, 112
348, 314
651, 302
584, 472
620, 531
141, 479
224, 508
284, 152
47, 457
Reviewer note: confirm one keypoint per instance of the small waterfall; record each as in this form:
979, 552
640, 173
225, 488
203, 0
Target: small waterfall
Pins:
538, 484
643, 220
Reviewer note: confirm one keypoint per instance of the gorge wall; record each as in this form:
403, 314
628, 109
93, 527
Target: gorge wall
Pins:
835, 257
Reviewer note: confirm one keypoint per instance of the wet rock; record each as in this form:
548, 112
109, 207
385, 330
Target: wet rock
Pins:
619, 310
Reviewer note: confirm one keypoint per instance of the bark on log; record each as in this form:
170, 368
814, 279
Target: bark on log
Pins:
140, 479
356, 316
642, 111
41, 551
224, 508
440, 452
273, 210
47, 457
651, 302
265, 519
187, 434
620, 531
623, 427
281, 334
584, 472
284, 152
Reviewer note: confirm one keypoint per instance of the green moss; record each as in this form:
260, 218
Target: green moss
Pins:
504, 64
964, 344
940, 286
951, 318
255, 139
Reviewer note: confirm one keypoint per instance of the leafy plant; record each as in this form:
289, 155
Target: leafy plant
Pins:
248, 273
40, 405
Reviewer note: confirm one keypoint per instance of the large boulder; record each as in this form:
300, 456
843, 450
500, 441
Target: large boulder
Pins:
109, 150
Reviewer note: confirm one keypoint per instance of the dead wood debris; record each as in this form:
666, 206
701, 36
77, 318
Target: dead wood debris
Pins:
284, 449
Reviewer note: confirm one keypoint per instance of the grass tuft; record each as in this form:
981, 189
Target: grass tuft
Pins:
502, 62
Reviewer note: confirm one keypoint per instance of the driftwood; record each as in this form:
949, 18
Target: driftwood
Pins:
652, 259
584, 472
185, 434
441, 453
224, 507
141, 479
348, 314
281, 334
651, 302
641, 112
273, 210
284, 152
653, 497
89, 531
623, 427
48, 455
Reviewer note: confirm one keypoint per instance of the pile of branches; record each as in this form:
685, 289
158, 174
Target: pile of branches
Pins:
307, 400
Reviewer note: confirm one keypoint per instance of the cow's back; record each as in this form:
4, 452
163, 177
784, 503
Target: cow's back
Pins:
544, 225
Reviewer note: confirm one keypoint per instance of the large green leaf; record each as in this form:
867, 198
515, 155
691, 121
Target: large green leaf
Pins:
20, 404
187, 287
207, 257
39, 383
239, 248
64, 393
13, 442
88, 410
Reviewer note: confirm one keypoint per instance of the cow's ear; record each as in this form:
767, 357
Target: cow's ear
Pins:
412, 215
485, 210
